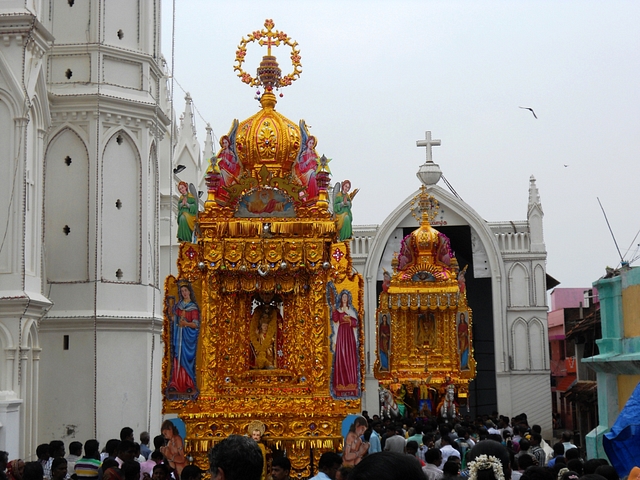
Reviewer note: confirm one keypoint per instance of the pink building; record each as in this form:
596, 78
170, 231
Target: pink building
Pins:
568, 307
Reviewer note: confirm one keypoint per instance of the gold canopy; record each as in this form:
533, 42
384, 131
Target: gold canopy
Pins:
275, 294
424, 323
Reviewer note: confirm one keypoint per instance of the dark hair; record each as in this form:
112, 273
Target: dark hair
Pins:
55, 446
156, 455
490, 447
433, 455
42, 451
162, 467
108, 463
191, 472
558, 449
111, 447
538, 473
126, 432
524, 444
345, 471
388, 465
525, 461
571, 454
33, 470
537, 437
566, 436
158, 441
126, 445
592, 476
282, 462
575, 465
450, 468
608, 472
57, 462
75, 448
130, 470
238, 457
536, 428
91, 447
590, 466
412, 445
329, 460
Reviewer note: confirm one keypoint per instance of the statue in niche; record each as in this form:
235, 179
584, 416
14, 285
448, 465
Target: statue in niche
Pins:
263, 334
426, 329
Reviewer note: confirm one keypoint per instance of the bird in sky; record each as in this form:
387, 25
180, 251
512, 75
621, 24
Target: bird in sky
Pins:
534, 113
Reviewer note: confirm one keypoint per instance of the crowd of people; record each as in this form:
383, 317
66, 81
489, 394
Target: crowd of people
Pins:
489, 448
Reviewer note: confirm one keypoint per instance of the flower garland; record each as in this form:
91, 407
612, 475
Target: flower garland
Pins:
484, 462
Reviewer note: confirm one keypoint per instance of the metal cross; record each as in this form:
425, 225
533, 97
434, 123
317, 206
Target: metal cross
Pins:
427, 142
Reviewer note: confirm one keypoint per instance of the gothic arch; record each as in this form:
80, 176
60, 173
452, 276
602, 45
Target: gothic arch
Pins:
6, 360
539, 287
537, 344
121, 209
520, 356
14, 90
152, 223
75, 129
30, 360
66, 207
518, 285
9, 101
496, 268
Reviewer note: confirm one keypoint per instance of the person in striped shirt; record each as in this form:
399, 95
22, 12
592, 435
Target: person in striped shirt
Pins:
87, 467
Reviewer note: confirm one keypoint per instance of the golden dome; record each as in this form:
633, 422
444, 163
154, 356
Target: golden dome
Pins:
268, 138
425, 254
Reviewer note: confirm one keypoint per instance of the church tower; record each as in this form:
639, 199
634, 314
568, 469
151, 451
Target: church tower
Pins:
24, 120
108, 96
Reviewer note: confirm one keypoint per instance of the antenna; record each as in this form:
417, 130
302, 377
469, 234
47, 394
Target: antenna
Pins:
612, 235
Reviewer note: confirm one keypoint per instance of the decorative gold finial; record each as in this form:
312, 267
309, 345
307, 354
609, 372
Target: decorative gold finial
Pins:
269, 73
424, 207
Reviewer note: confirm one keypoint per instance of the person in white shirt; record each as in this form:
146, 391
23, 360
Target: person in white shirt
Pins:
433, 458
447, 450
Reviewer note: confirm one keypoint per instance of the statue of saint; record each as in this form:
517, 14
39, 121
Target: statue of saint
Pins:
263, 329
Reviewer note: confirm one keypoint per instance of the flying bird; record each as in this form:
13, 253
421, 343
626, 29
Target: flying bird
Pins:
534, 113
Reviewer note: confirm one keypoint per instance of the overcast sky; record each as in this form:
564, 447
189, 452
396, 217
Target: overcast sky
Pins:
377, 74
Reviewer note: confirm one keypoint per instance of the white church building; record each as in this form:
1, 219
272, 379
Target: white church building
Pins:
90, 157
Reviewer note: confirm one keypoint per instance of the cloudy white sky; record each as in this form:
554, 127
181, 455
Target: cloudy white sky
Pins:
377, 74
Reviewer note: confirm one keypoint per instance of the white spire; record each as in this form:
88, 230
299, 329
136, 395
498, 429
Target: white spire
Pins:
534, 217
208, 144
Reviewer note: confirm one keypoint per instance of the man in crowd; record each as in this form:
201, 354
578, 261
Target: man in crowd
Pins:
144, 445
395, 442
280, 468
236, 458
433, 459
75, 452
86, 468
328, 465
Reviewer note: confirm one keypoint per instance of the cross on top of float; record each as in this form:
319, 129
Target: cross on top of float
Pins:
268, 74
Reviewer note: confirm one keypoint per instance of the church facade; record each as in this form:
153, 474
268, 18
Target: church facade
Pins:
87, 235
506, 289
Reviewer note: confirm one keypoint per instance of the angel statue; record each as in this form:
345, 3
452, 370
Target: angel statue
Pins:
342, 209
187, 212
305, 166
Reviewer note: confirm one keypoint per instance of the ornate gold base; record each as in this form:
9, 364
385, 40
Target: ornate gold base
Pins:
300, 436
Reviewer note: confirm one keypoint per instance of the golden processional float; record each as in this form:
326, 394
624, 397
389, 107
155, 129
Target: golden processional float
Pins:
425, 350
264, 321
